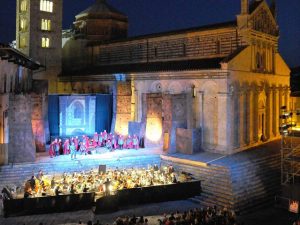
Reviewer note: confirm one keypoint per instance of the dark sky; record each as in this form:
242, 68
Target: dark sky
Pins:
152, 16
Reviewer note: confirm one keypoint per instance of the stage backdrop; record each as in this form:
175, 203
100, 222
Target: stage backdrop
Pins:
79, 114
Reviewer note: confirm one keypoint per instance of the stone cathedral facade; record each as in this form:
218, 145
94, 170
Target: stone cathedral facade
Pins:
216, 88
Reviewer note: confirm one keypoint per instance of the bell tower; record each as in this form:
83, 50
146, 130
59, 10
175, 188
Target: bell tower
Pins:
244, 7
39, 34
242, 19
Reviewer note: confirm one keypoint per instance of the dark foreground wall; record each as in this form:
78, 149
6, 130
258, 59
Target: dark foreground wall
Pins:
152, 194
50, 204
21, 139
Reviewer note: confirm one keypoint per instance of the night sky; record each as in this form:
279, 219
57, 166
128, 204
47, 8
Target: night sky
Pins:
152, 16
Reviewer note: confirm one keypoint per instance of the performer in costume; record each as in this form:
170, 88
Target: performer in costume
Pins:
52, 149
76, 143
108, 144
61, 149
120, 142
135, 142
104, 136
73, 150
66, 147
56, 147
95, 139
114, 142
87, 142
100, 139
128, 142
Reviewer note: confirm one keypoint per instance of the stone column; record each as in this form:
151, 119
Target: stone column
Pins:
269, 114
235, 119
250, 116
223, 121
189, 111
255, 115
242, 121
201, 116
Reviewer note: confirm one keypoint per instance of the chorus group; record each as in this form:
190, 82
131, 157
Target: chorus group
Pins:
85, 144
102, 183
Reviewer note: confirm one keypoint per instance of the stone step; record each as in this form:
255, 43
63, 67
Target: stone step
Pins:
223, 198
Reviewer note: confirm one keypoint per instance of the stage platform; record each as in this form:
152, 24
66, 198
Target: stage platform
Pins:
239, 181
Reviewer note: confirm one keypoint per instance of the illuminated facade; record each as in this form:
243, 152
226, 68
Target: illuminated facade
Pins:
221, 83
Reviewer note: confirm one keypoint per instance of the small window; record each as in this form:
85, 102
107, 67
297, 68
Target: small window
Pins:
45, 42
23, 24
46, 6
22, 42
46, 24
23, 6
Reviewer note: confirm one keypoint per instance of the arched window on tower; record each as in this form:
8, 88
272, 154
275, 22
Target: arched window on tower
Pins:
23, 6
22, 42
45, 25
23, 24
46, 6
45, 42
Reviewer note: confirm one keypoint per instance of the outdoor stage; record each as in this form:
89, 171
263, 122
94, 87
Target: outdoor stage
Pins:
239, 181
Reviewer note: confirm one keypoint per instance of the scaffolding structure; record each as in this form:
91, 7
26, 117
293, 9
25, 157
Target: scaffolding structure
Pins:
290, 146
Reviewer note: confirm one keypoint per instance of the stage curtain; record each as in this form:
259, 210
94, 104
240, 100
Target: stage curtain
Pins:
53, 115
103, 119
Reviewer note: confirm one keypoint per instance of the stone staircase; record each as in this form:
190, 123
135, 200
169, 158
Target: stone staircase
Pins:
215, 183
16, 174
243, 186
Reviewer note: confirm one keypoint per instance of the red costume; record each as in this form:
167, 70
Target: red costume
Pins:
128, 142
87, 142
95, 140
76, 143
52, 149
66, 147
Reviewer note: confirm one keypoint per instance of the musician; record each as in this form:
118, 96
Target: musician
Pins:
57, 190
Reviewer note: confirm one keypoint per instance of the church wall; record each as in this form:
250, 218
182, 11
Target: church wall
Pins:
4, 129
14, 79
21, 139
207, 110
256, 101
189, 45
